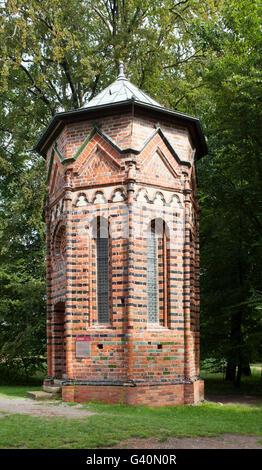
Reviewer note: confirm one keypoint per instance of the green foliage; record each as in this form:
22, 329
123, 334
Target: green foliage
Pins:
213, 365
215, 384
59, 54
55, 56
22, 269
230, 183
22, 316
203, 58
13, 374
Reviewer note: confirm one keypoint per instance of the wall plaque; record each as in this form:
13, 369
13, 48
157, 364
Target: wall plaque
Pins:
83, 346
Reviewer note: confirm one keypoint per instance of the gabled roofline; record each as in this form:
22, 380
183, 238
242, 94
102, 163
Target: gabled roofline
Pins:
60, 119
68, 161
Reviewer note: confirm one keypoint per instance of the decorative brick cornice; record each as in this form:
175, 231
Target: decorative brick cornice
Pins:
59, 120
130, 151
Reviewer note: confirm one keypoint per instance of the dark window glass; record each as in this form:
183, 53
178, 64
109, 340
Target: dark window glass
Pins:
102, 256
152, 277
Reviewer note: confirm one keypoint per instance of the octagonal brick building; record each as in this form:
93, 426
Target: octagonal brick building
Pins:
122, 250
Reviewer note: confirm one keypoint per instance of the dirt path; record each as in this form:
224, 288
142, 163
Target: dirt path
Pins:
246, 400
224, 441
36, 408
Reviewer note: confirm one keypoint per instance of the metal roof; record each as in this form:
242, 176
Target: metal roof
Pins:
120, 90
121, 94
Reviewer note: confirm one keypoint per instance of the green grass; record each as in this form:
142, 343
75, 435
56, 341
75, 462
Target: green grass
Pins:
16, 391
118, 422
114, 423
215, 383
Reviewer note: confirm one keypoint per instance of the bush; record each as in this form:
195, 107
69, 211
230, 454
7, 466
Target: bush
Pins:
213, 365
14, 372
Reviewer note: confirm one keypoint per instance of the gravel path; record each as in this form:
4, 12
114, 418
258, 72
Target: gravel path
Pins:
246, 400
36, 408
224, 441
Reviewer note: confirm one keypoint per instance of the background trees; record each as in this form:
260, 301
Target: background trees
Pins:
231, 184
203, 58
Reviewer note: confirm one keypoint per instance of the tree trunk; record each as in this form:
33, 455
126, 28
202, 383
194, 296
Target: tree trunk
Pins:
237, 382
246, 371
230, 371
238, 317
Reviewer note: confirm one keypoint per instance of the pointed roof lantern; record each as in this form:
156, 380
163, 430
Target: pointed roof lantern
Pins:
120, 96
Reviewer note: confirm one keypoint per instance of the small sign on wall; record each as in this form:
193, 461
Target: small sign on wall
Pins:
83, 346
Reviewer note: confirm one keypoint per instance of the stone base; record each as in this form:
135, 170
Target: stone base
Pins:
53, 389
172, 394
39, 395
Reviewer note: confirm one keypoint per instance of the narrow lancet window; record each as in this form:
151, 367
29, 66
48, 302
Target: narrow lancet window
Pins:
152, 276
157, 274
102, 263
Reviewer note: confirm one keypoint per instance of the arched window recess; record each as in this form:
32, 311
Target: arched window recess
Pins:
102, 270
158, 274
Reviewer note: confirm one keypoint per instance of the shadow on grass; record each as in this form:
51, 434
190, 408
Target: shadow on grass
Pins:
216, 384
16, 391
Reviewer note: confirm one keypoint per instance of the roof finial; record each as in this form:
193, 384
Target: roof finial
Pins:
121, 70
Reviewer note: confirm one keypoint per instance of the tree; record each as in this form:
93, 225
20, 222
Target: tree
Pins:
22, 286
203, 58
231, 181
54, 56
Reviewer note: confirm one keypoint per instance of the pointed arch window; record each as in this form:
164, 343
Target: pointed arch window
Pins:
152, 276
158, 274
102, 270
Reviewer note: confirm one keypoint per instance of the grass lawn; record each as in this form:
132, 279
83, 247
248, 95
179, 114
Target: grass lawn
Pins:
118, 422
17, 391
215, 383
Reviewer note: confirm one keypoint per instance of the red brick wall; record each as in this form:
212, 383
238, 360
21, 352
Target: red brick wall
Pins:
99, 183
154, 396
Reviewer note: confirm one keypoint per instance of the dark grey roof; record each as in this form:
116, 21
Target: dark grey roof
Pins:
120, 94
120, 90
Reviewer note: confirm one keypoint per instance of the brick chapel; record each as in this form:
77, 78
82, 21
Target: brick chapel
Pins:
122, 250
